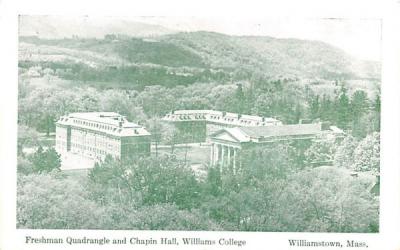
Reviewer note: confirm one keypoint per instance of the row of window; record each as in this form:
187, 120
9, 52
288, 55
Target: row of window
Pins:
84, 147
95, 150
216, 117
95, 125
91, 137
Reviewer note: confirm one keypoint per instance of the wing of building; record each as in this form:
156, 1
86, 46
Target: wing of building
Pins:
200, 124
94, 135
227, 143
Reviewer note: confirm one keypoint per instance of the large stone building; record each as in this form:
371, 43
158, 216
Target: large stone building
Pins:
97, 134
200, 124
227, 143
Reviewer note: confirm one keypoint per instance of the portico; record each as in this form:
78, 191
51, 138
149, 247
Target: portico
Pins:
225, 147
227, 143
225, 156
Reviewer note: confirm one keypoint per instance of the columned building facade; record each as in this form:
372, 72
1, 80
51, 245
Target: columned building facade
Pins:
226, 156
227, 143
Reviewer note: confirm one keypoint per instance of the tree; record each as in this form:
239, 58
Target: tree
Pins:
193, 103
273, 161
263, 105
359, 108
344, 155
366, 124
320, 152
26, 137
170, 136
24, 166
359, 104
45, 161
367, 154
213, 183
47, 201
156, 100
240, 100
169, 217
327, 111
155, 128
342, 105
155, 179
314, 107
252, 208
328, 199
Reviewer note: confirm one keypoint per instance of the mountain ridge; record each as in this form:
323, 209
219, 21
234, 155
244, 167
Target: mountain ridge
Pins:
277, 57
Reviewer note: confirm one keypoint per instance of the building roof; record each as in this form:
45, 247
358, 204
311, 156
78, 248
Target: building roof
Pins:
282, 130
238, 134
260, 133
108, 122
220, 117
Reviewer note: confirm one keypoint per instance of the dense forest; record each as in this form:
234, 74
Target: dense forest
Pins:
281, 191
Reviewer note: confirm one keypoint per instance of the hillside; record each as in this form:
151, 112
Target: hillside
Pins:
188, 57
276, 57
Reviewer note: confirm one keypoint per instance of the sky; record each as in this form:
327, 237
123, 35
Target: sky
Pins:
358, 37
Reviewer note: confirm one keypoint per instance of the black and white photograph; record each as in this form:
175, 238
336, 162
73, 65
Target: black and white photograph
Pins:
199, 124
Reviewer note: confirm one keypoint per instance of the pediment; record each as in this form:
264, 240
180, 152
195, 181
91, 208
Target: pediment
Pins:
225, 136
230, 135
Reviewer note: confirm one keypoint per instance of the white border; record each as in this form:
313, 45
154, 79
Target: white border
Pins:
10, 238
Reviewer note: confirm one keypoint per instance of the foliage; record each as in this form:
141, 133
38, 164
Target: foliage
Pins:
342, 107
45, 160
47, 202
24, 166
344, 155
327, 200
283, 104
320, 152
26, 137
274, 161
169, 217
154, 179
155, 128
367, 154
170, 136
213, 183
208, 71
250, 209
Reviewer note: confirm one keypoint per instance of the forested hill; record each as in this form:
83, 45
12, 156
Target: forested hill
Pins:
276, 57
190, 54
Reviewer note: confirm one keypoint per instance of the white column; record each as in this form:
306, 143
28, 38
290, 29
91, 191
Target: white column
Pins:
229, 165
216, 152
212, 154
234, 160
222, 157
